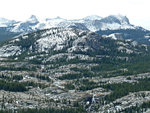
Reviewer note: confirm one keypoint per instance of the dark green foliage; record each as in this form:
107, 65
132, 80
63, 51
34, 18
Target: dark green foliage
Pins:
33, 84
104, 67
43, 78
35, 61
70, 76
123, 89
2, 68
69, 86
15, 77
137, 109
77, 75
12, 86
138, 65
88, 85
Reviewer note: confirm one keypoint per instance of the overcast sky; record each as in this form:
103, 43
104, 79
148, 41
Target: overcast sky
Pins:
138, 11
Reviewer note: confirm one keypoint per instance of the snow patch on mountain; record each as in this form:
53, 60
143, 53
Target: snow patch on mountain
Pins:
115, 26
77, 47
123, 49
57, 41
114, 36
122, 19
9, 50
69, 56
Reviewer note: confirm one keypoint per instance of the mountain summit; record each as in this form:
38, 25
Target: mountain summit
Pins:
93, 17
116, 19
33, 19
113, 24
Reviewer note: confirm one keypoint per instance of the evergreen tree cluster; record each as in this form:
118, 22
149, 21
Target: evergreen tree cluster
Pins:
122, 89
12, 86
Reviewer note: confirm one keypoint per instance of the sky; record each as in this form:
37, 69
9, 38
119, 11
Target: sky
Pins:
136, 10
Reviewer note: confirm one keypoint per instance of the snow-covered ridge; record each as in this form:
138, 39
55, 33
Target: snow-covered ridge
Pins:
55, 38
65, 40
92, 23
9, 50
5, 22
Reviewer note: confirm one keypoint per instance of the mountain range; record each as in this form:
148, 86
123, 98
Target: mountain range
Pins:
113, 26
92, 23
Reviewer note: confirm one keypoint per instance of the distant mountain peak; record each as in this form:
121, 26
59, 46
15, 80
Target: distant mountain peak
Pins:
92, 17
92, 23
33, 18
58, 17
116, 22
121, 18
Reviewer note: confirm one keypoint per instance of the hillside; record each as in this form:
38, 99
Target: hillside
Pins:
70, 41
73, 68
